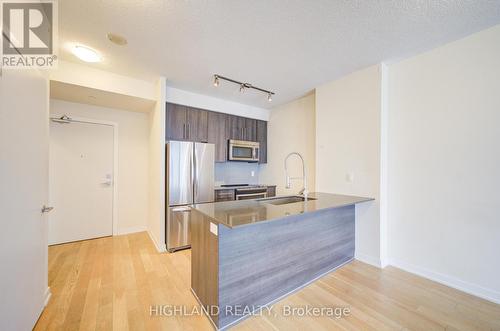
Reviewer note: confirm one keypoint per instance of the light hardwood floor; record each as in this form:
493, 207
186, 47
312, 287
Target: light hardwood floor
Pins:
110, 283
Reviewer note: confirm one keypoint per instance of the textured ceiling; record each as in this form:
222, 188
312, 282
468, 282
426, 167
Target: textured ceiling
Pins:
289, 47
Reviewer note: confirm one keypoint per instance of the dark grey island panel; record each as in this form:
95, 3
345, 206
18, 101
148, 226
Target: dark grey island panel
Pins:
259, 264
247, 254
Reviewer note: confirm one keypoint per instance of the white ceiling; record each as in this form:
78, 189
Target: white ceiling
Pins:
289, 47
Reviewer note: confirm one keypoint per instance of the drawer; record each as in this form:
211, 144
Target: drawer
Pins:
271, 191
224, 195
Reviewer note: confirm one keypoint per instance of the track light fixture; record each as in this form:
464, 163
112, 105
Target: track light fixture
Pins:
243, 86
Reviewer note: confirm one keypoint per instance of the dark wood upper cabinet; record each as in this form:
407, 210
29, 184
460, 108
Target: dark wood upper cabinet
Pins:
193, 124
218, 125
236, 127
250, 129
186, 123
262, 139
176, 126
197, 125
241, 128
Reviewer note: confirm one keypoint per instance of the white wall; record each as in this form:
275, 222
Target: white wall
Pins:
156, 216
443, 164
348, 115
187, 98
291, 128
82, 75
133, 165
24, 152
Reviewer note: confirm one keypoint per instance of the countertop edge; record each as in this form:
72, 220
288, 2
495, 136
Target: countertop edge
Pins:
358, 200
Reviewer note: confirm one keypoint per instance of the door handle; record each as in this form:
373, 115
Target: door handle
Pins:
108, 180
46, 209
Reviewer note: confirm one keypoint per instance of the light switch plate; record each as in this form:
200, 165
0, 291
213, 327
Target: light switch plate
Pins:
213, 228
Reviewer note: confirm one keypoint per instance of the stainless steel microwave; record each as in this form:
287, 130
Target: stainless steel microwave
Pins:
241, 150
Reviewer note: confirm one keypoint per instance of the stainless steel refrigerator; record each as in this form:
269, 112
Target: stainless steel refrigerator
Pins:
190, 179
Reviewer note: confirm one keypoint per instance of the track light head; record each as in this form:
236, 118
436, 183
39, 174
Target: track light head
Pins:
270, 97
216, 80
242, 88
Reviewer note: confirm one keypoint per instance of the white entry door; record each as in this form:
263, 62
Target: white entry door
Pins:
80, 181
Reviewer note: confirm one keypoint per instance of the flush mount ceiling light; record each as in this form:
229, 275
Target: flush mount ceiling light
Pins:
86, 54
243, 86
117, 39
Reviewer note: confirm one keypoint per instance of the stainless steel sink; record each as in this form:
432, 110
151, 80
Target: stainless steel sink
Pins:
285, 200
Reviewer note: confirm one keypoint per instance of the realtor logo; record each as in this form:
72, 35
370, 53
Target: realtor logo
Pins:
29, 33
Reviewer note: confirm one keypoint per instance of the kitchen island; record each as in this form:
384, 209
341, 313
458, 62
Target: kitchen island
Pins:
247, 254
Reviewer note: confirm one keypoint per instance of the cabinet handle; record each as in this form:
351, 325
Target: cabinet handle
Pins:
188, 131
184, 131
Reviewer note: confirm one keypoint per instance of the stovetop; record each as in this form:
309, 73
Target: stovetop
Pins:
236, 186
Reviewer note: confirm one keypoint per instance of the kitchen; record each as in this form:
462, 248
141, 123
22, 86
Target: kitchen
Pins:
249, 162
204, 216
203, 146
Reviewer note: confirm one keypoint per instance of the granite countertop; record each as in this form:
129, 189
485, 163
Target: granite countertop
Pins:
246, 212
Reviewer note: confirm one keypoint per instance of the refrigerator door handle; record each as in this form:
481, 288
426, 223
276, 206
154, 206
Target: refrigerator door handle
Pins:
194, 174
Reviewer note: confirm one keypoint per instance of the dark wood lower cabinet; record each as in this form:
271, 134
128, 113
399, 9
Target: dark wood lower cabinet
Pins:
271, 191
224, 195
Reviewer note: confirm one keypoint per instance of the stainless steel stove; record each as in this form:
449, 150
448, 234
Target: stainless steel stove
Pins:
248, 191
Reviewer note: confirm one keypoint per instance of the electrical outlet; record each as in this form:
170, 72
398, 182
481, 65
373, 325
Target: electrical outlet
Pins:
252, 173
349, 177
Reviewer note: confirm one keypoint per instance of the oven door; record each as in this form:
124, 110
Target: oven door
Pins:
250, 196
251, 193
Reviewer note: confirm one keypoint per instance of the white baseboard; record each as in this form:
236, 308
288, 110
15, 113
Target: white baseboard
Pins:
368, 259
160, 248
476, 290
133, 229
47, 296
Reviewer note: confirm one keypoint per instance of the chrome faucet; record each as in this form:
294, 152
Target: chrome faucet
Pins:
304, 190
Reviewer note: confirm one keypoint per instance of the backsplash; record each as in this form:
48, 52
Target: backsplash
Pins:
236, 173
